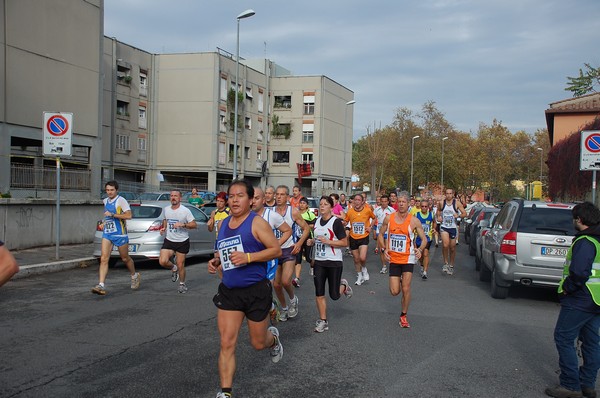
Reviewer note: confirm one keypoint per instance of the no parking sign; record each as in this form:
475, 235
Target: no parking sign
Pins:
58, 127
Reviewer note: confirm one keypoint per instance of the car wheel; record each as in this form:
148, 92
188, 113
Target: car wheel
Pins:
484, 273
498, 292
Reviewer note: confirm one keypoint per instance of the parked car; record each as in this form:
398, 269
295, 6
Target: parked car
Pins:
472, 213
155, 196
129, 196
145, 239
485, 213
526, 245
207, 197
484, 228
313, 205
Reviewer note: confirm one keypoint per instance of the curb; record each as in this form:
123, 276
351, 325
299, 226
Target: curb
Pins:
56, 266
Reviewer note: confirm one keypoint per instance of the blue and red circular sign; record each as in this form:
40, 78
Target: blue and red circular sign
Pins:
592, 143
58, 125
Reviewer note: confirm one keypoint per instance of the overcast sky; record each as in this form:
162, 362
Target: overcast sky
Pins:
476, 59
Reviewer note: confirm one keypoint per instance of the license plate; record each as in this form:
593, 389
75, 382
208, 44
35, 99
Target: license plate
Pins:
132, 249
554, 251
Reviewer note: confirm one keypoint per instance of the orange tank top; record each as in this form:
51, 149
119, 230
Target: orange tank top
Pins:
399, 245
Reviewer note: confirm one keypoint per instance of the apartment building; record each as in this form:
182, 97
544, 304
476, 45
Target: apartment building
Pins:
159, 121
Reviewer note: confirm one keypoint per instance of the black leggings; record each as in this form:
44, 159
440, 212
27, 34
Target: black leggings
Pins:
331, 274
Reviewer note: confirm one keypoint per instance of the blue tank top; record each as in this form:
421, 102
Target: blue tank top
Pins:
114, 227
240, 239
427, 224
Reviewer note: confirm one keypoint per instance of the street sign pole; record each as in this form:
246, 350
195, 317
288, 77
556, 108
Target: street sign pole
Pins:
57, 207
594, 187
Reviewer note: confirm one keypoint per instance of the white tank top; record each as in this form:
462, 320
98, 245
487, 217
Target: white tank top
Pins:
287, 217
448, 218
325, 252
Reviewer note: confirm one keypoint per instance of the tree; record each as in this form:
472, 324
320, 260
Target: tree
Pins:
585, 82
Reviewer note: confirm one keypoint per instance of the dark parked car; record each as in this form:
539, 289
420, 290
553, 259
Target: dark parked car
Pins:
484, 213
468, 220
526, 245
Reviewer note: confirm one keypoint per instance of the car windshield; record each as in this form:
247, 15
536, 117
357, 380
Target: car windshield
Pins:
313, 203
149, 196
550, 221
145, 211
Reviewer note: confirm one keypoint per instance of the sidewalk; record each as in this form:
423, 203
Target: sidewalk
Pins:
43, 259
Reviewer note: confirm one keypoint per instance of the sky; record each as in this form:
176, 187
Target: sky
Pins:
478, 60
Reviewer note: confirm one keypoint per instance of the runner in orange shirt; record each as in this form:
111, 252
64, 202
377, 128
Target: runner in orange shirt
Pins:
400, 251
359, 219
295, 198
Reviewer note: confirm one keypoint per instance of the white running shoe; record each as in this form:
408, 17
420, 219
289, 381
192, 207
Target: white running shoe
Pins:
383, 270
283, 315
365, 274
293, 311
445, 268
450, 270
359, 279
321, 326
348, 290
277, 349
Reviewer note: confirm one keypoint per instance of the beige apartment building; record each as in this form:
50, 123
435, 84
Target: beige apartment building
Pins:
159, 121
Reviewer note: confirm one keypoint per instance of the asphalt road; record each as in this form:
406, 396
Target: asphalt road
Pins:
59, 340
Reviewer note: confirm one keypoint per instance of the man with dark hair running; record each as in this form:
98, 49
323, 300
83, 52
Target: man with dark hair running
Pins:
448, 211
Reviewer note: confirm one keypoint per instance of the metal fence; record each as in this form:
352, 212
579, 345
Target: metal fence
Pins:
28, 176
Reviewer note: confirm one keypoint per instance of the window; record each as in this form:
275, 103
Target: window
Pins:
281, 156
248, 123
141, 144
143, 83
249, 93
222, 121
259, 154
223, 88
221, 153
283, 101
308, 131
122, 108
259, 136
309, 104
307, 157
123, 74
231, 152
142, 117
261, 100
122, 142
247, 152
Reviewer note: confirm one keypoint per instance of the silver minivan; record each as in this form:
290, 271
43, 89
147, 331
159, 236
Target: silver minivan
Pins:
527, 244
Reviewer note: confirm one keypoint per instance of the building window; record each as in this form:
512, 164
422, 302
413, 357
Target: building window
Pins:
122, 142
141, 144
249, 93
123, 74
222, 121
143, 83
223, 88
122, 108
307, 157
308, 132
248, 123
309, 104
261, 100
142, 119
281, 156
247, 152
231, 152
259, 154
221, 153
259, 136
283, 101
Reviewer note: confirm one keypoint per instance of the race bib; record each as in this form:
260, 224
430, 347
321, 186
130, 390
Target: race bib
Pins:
358, 228
448, 220
426, 228
319, 249
278, 233
171, 224
110, 226
228, 246
398, 243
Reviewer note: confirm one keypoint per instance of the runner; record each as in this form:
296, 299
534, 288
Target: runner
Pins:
394, 200
375, 224
296, 196
116, 212
195, 199
400, 252
381, 213
176, 222
245, 243
415, 207
343, 201
436, 230
329, 264
270, 196
282, 232
285, 270
448, 210
428, 223
218, 214
307, 247
358, 220
338, 210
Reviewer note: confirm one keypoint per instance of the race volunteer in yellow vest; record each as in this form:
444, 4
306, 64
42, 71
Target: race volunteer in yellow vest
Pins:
579, 317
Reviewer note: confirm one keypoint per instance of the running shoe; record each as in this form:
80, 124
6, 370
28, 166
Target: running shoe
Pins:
312, 271
365, 274
277, 349
135, 281
422, 271
296, 282
183, 288
274, 313
321, 326
383, 270
436, 244
424, 276
223, 395
99, 289
348, 290
174, 274
404, 322
283, 315
359, 279
445, 268
450, 270
293, 307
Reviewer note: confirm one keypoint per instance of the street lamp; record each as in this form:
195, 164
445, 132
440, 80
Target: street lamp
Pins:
541, 161
345, 183
412, 159
442, 182
245, 14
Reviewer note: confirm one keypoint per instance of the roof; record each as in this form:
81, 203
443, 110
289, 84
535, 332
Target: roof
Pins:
589, 103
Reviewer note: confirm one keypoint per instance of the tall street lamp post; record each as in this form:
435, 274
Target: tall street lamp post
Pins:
245, 14
412, 160
442, 182
541, 161
345, 183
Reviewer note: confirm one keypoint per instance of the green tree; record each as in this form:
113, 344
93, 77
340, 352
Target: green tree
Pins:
584, 83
